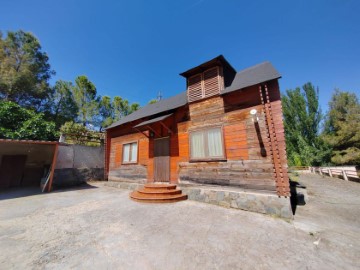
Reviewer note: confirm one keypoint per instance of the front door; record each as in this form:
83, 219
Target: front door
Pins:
162, 160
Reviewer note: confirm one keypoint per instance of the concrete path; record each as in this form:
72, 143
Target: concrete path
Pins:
332, 217
100, 228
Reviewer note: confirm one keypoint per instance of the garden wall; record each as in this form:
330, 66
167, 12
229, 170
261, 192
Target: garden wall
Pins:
77, 164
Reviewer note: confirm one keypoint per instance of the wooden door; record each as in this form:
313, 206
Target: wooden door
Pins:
11, 170
162, 160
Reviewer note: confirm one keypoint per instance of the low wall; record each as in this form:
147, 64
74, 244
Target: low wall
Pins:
77, 164
250, 201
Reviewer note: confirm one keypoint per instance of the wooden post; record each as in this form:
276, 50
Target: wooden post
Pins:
53, 167
320, 171
330, 173
345, 175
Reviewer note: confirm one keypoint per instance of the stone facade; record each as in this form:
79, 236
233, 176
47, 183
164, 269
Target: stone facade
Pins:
254, 202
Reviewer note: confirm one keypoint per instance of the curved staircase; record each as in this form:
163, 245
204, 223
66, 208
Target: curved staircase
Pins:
158, 193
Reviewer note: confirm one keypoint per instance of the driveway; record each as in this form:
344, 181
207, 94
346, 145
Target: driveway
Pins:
97, 227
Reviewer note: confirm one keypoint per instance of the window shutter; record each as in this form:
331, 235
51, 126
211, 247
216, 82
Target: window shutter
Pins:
195, 91
211, 82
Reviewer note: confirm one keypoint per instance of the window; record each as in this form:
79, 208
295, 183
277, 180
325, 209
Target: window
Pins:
205, 84
207, 144
130, 151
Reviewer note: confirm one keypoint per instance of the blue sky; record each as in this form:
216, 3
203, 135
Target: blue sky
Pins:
136, 48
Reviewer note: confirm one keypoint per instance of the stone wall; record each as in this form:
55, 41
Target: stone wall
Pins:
255, 202
230, 198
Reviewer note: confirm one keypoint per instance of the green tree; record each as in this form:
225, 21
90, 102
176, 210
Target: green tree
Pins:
78, 134
122, 108
342, 128
86, 99
17, 122
302, 117
24, 70
134, 107
63, 106
106, 112
152, 101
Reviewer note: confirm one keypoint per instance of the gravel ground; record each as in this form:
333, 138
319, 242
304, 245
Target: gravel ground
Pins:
97, 227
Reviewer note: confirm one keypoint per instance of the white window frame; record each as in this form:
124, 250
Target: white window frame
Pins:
130, 152
207, 157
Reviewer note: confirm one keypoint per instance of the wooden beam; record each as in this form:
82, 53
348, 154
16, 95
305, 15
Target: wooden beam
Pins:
141, 132
168, 129
53, 167
153, 131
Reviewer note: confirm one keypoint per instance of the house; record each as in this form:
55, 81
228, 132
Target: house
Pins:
225, 130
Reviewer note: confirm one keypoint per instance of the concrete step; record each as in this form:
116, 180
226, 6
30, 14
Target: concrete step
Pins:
159, 186
158, 193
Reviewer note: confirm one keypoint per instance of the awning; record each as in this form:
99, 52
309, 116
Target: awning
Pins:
157, 119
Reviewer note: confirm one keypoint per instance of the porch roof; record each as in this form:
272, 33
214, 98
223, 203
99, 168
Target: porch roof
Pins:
157, 119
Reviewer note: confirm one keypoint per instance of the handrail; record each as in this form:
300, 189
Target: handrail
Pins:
333, 171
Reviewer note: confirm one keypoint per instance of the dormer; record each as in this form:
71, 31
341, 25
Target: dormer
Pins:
208, 79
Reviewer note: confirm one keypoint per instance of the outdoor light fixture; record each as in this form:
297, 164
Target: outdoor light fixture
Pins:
254, 116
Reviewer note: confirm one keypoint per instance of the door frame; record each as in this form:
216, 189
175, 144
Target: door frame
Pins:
168, 167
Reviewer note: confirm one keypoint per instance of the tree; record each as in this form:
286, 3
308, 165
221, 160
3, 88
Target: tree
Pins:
134, 107
122, 108
86, 99
152, 101
342, 128
79, 134
24, 70
63, 107
302, 117
106, 112
17, 122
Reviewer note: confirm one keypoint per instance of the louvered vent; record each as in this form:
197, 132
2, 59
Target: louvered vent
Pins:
195, 89
211, 82
206, 84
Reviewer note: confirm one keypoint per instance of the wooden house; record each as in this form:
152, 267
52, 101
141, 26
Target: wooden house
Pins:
226, 129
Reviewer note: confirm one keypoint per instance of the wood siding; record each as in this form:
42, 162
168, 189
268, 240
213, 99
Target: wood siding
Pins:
206, 84
255, 151
120, 171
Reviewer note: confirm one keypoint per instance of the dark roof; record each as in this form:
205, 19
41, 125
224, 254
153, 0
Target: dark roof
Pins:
157, 119
251, 76
217, 61
152, 109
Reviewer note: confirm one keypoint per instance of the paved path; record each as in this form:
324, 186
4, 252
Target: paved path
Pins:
332, 216
100, 228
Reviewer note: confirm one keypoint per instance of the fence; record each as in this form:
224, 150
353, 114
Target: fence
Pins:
347, 173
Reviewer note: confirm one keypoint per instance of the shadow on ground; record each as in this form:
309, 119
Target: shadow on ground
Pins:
18, 192
296, 198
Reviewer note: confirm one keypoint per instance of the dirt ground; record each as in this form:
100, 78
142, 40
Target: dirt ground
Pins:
97, 227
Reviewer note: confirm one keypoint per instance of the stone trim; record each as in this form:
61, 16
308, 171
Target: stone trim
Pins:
255, 202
